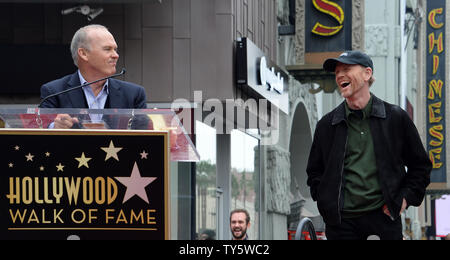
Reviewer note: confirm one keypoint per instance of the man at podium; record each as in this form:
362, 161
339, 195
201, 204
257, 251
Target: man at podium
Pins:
94, 52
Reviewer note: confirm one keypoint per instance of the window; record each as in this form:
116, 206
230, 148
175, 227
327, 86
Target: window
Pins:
245, 178
206, 201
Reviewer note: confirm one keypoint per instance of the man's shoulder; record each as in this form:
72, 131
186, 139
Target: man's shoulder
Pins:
126, 84
59, 83
394, 110
328, 117
134, 93
394, 113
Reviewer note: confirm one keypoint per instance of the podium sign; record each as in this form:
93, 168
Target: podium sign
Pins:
87, 184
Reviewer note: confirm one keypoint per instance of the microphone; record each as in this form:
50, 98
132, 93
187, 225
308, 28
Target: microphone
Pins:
80, 86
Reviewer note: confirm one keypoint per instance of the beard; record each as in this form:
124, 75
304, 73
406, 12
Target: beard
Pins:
243, 233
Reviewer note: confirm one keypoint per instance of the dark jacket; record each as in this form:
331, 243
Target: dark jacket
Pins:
121, 94
396, 144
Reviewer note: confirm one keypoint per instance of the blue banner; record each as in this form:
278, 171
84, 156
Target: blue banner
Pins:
436, 89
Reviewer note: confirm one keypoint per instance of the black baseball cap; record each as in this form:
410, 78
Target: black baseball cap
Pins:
349, 57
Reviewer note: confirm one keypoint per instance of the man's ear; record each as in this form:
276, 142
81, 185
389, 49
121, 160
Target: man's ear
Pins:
368, 73
82, 54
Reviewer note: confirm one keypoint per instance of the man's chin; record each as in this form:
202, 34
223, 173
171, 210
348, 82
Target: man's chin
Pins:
239, 235
112, 70
344, 94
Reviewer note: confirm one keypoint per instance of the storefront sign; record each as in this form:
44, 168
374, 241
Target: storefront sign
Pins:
270, 78
84, 184
332, 9
328, 26
261, 76
436, 69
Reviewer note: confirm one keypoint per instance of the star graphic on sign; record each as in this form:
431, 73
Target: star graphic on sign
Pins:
29, 157
41, 168
135, 184
47, 154
60, 168
11, 165
17, 148
144, 155
83, 161
111, 151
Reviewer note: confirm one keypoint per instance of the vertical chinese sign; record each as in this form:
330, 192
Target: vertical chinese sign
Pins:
436, 88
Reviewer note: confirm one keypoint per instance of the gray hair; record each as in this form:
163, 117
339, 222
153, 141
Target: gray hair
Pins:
80, 40
371, 81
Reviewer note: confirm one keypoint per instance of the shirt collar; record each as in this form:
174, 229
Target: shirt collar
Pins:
82, 81
365, 111
378, 110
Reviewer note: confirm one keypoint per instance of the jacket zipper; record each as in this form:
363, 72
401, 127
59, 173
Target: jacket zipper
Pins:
342, 178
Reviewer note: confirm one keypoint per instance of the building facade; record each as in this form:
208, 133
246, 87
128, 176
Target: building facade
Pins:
186, 51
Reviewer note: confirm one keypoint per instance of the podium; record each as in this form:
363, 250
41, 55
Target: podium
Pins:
108, 178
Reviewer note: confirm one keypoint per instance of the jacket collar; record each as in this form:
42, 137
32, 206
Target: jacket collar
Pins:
77, 98
378, 110
115, 94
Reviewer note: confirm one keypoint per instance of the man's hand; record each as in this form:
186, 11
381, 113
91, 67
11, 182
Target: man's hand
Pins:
386, 210
404, 205
64, 121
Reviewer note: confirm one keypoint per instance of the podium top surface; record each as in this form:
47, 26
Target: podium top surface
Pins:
181, 146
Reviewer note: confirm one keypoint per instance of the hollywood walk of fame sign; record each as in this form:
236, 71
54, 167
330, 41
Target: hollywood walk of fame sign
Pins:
106, 184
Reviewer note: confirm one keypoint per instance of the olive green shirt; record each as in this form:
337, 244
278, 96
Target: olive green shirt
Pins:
362, 192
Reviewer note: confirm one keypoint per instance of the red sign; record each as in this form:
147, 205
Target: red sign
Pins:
332, 9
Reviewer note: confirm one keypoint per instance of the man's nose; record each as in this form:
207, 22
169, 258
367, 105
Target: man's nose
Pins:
115, 55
